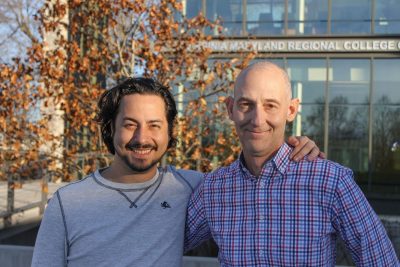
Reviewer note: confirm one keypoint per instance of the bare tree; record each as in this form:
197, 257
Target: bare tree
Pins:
18, 27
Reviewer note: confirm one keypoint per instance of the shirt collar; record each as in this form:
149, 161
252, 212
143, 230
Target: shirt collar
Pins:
125, 186
279, 162
281, 159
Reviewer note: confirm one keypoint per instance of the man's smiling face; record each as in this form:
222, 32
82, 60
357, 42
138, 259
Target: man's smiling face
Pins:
140, 132
260, 109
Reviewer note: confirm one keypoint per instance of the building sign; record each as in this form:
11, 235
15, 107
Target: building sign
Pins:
310, 45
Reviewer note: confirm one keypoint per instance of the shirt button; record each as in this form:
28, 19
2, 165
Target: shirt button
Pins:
261, 253
262, 217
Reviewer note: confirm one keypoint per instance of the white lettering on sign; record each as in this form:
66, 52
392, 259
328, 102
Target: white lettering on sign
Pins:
312, 45
293, 45
370, 45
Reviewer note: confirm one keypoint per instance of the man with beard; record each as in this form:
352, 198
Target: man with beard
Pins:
265, 210
133, 212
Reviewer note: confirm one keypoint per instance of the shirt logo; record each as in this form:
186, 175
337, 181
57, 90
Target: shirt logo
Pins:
165, 205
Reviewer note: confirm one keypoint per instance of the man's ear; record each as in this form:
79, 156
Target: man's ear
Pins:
229, 105
292, 109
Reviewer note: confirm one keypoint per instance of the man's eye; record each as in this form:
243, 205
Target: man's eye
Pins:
244, 106
155, 126
129, 125
270, 106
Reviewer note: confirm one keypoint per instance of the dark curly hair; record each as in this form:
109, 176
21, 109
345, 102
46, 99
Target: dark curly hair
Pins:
110, 100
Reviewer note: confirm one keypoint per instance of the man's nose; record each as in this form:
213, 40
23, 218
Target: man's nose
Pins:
258, 116
140, 135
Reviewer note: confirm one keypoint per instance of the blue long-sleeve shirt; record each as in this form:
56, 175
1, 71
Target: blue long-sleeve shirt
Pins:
288, 216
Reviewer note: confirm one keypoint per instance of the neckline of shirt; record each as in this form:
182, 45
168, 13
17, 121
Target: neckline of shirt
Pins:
279, 161
125, 186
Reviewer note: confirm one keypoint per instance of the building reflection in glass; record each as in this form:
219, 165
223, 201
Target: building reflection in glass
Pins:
356, 130
300, 17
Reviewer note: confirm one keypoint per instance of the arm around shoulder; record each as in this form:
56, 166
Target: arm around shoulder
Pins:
50, 245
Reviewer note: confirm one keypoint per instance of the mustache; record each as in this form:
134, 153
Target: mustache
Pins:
132, 146
254, 129
248, 126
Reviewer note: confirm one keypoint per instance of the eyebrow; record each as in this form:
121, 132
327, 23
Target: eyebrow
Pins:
155, 121
150, 121
251, 100
245, 99
128, 119
271, 100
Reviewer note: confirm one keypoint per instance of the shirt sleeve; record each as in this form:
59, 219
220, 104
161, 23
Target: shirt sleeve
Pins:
359, 226
50, 243
197, 229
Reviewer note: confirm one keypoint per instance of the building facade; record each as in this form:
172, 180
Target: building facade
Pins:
343, 58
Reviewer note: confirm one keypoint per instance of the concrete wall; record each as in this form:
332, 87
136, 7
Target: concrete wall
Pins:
200, 262
21, 256
15, 256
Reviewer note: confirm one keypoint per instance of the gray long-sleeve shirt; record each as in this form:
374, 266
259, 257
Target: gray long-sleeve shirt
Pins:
95, 222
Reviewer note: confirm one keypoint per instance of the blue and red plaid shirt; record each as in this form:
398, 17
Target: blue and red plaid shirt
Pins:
288, 216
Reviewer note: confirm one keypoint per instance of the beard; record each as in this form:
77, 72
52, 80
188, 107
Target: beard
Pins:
140, 166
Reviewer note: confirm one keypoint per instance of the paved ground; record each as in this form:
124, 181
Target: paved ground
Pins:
28, 194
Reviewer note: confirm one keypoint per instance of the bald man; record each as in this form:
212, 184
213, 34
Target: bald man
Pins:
265, 210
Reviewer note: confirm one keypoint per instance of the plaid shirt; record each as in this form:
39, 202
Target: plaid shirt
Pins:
288, 216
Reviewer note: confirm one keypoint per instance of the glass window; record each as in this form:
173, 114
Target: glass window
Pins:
310, 122
386, 146
349, 79
386, 81
387, 16
351, 16
349, 128
265, 17
193, 7
348, 99
229, 12
348, 135
386, 125
307, 17
308, 78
